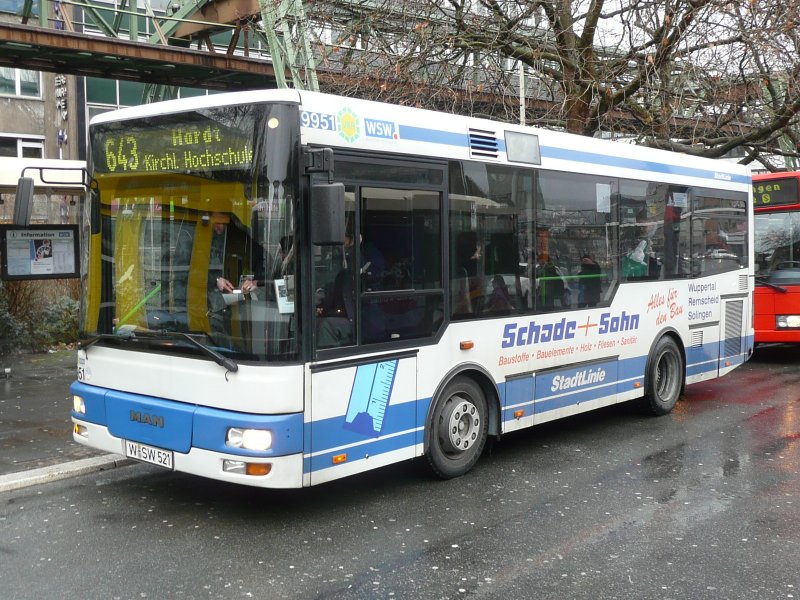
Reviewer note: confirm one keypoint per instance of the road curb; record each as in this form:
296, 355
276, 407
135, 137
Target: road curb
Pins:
16, 481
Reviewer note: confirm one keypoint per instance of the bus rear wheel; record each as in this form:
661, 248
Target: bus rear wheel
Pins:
664, 377
458, 430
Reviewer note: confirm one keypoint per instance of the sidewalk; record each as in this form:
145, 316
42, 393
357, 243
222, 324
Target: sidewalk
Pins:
35, 429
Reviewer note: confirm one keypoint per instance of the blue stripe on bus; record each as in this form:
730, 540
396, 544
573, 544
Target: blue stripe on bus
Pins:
375, 447
436, 136
639, 165
332, 432
461, 140
521, 393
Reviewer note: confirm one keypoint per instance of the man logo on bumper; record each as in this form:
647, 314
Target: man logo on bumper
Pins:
147, 419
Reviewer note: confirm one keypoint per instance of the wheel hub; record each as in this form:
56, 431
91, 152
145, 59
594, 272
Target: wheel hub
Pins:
460, 426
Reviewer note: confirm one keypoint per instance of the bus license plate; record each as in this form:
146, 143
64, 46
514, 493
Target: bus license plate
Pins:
148, 454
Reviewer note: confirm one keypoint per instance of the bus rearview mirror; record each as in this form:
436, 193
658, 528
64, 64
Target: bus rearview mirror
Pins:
327, 214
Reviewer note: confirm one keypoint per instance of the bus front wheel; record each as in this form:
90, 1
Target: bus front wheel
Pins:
458, 429
664, 377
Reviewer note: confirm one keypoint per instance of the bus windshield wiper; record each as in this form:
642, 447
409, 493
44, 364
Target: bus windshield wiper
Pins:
91, 341
130, 334
765, 281
222, 361
218, 358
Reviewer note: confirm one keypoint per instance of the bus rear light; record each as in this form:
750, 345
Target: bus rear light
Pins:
81, 430
245, 468
339, 459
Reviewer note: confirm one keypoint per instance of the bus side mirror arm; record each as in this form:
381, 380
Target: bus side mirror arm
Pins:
320, 160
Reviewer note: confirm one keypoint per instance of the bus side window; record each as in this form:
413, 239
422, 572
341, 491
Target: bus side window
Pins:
401, 289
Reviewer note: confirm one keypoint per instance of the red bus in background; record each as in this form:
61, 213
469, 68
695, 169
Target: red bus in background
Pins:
776, 204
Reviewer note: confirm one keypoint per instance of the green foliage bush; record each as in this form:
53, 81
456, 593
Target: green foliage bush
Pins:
9, 328
61, 318
36, 315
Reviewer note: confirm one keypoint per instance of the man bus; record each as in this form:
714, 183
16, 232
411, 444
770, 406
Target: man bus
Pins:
431, 329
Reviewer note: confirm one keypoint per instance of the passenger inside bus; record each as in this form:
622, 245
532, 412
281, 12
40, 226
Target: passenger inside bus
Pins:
219, 277
236, 271
466, 286
550, 286
641, 261
335, 302
284, 259
589, 282
220, 224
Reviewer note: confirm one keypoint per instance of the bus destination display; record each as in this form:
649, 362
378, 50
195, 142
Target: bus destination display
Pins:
170, 146
775, 192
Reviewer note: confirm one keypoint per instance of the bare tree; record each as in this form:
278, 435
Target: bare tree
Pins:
705, 77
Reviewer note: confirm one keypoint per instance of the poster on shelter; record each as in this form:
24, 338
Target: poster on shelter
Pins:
40, 252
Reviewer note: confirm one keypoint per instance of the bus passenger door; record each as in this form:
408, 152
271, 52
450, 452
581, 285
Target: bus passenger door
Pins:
363, 415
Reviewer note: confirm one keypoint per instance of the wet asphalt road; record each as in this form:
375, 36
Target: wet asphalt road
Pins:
702, 503
35, 427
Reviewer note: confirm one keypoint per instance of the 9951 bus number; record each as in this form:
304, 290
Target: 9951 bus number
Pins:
315, 120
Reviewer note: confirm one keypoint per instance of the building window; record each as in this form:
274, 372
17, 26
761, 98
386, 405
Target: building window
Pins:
15, 7
21, 147
20, 82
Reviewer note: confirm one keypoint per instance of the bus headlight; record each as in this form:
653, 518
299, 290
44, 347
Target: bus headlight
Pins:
787, 321
78, 405
249, 439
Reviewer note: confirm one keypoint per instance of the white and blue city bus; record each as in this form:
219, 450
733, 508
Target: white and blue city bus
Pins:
284, 288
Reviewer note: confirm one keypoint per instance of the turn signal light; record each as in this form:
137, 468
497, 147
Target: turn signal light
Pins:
339, 459
245, 468
466, 345
259, 469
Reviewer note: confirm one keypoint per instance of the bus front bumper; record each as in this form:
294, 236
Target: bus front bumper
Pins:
274, 471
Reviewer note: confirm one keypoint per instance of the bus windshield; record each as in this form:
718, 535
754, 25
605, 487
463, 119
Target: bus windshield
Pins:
195, 214
777, 247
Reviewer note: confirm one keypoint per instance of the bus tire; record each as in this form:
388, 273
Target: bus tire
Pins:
458, 429
664, 378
